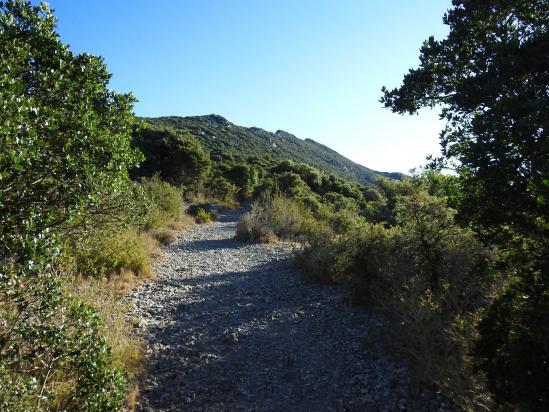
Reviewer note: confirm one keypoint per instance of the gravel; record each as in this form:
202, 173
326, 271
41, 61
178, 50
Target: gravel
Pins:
230, 326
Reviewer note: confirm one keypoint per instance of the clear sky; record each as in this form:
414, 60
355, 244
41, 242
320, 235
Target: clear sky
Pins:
311, 67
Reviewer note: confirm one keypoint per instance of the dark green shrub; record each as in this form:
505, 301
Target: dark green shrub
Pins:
438, 283
244, 177
427, 276
513, 348
363, 259
316, 260
176, 156
65, 143
165, 202
291, 185
221, 189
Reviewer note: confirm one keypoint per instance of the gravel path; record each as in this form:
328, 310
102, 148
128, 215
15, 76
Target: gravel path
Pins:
229, 326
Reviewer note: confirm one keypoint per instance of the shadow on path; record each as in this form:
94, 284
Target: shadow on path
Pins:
231, 327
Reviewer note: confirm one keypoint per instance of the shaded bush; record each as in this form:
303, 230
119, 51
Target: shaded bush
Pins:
244, 177
316, 259
363, 259
513, 348
221, 189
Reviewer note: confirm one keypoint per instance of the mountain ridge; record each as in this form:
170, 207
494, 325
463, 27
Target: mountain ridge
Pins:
224, 138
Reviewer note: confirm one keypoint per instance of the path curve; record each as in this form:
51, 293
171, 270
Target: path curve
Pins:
230, 326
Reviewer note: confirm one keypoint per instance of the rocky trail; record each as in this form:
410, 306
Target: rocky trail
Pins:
230, 326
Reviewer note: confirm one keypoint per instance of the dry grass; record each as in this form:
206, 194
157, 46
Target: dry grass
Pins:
277, 218
183, 221
164, 236
126, 347
107, 296
151, 245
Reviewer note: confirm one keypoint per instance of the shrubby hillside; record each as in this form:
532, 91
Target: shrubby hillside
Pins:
227, 140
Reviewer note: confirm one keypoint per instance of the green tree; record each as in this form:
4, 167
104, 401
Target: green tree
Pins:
244, 177
221, 188
177, 156
490, 75
65, 140
64, 136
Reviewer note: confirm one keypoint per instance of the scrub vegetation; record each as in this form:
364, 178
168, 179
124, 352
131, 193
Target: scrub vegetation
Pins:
455, 264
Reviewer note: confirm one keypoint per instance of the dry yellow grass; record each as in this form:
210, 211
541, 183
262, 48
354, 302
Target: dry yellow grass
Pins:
182, 222
151, 246
126, 347
164, 236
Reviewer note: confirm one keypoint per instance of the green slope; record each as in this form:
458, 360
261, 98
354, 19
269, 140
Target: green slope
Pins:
218, 135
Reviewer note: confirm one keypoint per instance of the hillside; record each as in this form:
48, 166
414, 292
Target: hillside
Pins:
219, 135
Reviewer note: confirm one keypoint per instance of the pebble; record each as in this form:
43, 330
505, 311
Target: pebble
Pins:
231, 326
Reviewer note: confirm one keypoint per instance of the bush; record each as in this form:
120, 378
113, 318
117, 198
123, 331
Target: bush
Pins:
316, 259
165, 202
428, 278
244, 177
222, 189
54, 355
513, 348
112, 308
107, 254
176, 156
163, 236
66, 145
364, 258
254, 226
204, 212
278, 217
202, 216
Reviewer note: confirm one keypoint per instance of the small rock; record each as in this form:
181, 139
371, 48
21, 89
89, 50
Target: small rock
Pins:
229, 338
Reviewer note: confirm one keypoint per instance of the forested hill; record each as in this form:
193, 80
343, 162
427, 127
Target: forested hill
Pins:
223, 138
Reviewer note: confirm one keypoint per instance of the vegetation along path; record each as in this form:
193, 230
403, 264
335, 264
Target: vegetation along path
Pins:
230, 326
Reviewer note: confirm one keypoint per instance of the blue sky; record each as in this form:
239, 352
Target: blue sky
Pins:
311, 67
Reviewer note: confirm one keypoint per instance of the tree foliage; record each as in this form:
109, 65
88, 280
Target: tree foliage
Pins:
177, 156
65, 140
513, 348
491, 75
